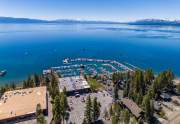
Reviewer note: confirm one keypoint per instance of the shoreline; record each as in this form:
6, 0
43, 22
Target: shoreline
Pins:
126, 66
19, 82
16, 82
177, 80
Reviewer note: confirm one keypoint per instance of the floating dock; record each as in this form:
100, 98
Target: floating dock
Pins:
102, 61
90, 67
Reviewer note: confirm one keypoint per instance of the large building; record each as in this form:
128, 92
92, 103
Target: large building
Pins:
73, 85
20, 104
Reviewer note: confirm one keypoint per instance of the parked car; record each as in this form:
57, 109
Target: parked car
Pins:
77, 95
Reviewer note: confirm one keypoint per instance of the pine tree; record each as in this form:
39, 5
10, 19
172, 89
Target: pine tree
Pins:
53, 88
57, 110
148, 108
2, 90
36, 80
24, 84
13, 86
126, 89
139, 99
47, 80
117, 109
116, 96
141, 83
88, 111
39, 115
178, 88
149, 76
38, 110
64, 105
41, 119
115, 119
95, 109
170, 77
126, 116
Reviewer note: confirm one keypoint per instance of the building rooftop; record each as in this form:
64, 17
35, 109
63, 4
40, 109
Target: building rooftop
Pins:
22, 102
165, 96
73, 83
132, 106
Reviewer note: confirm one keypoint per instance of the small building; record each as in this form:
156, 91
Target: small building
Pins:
132, 107
74, 85
165, 96
20, 105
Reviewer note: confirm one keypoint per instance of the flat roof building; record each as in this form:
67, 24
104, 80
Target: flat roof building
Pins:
73, 84
21, 103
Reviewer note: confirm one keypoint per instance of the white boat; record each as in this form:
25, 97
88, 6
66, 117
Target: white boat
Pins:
3, 73
66, 61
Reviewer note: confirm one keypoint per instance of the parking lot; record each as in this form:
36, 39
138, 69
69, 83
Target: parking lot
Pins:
77, 105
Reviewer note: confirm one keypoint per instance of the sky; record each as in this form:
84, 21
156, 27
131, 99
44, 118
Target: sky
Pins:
105, 10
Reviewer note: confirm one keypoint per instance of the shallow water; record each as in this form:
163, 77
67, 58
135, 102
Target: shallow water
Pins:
30, 48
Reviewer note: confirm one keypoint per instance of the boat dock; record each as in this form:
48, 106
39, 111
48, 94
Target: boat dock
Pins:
89, 66
133, 66
102, 61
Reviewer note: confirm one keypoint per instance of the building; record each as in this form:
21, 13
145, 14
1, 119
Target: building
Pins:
73, 85
132, 107
21, 104
165, 96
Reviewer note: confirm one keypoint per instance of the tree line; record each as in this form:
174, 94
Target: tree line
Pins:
143, 87
58, 100
32, 81
40, 119
7, 87
92, 111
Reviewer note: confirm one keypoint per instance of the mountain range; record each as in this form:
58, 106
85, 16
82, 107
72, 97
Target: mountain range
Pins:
155, 22
66, 21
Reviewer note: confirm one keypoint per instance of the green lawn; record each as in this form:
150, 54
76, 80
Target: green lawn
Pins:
94, 84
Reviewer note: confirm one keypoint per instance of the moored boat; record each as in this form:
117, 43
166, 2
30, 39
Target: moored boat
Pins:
66, 61
3, 73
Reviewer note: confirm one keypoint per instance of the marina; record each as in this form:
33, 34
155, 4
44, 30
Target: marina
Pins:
102, 61
88, 66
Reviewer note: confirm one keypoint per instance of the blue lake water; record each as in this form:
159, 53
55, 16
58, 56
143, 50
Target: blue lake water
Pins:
29, 48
